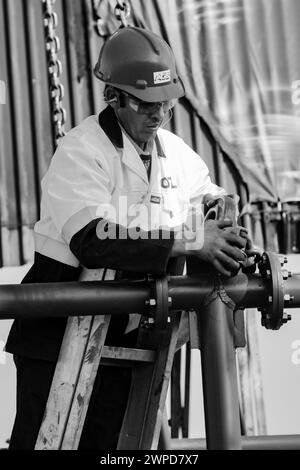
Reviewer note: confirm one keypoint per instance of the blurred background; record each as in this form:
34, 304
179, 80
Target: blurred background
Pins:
240, 64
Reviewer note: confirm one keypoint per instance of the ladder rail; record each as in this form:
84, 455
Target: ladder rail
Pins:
67, 373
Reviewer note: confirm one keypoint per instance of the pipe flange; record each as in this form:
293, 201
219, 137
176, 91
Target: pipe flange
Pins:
163, 302
160, 302
272, 315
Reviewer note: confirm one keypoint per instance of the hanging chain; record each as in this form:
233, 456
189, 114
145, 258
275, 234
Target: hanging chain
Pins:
122, 12
105, 26
54, 70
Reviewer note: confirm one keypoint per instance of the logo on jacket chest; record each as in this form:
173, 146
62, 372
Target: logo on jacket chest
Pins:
167, 182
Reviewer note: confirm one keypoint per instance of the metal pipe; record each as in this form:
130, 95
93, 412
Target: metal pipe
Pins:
90, 298
287, 442
248, 291
219, 377
292, 287
72, 299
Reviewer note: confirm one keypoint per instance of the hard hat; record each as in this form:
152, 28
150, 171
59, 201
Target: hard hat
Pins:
141, 63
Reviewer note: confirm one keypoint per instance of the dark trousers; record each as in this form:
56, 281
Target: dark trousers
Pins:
106, 409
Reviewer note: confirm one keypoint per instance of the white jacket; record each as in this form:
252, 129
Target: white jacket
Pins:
89, 174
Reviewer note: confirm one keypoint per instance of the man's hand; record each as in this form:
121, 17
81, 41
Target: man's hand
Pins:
222, 247
253, 253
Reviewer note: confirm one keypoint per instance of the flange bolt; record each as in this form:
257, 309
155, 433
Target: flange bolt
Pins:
286, 274
288, 298
286, 317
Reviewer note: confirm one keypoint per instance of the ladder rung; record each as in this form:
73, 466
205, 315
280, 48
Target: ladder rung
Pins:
127, 354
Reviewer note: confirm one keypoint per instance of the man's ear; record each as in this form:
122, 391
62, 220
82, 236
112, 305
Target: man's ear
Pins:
110, 96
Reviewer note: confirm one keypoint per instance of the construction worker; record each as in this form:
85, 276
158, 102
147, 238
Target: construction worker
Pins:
106, 176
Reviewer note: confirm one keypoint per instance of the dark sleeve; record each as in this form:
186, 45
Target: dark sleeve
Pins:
148, 253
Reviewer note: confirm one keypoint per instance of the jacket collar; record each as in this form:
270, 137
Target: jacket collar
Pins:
110, 125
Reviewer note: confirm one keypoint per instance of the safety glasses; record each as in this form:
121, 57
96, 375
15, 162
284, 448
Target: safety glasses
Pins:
145, 107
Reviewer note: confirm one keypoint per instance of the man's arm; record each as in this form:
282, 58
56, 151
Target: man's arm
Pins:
105, 244
149, 252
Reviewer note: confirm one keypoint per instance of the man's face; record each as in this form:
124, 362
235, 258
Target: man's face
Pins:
141, 124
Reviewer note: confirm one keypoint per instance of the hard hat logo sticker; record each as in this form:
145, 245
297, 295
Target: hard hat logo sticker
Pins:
162, 77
